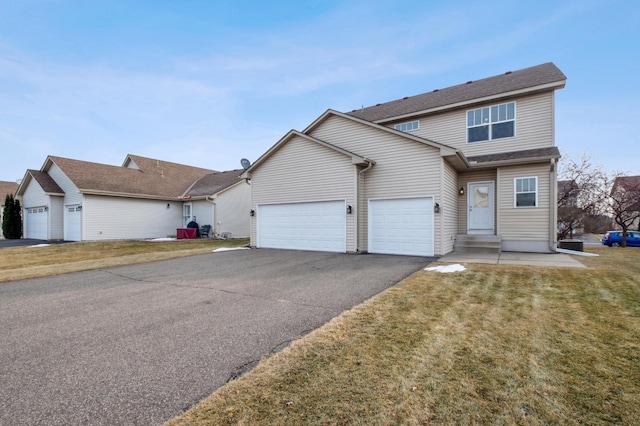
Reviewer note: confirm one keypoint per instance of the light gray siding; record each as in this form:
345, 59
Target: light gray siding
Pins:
534, 127
115, 218
203, 210
232, 208
71, 193
524, 229
404, 168
302, 170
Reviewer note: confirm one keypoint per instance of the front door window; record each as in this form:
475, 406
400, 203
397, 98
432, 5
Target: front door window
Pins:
186, 214
480, 208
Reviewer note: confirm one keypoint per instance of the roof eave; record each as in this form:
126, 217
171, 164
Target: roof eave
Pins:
471, 102
511, 162
128, 195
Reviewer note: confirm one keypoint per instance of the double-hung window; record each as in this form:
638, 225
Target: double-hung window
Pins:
526, 192
489, 123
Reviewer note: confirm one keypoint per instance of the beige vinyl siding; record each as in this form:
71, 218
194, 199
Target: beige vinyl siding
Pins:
449, 207
302, 170
464, 180
526, 223
404, 168
232, 211
534, 127
116, 218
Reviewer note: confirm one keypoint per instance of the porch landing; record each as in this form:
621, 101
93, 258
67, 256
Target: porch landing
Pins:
478, 244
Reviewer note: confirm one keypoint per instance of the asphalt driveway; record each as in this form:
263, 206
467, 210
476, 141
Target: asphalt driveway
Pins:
140, 344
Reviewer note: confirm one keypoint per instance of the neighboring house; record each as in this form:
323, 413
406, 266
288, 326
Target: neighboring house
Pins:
222, 200
625, 194
76, 200
415, 176
570, 215
6, 188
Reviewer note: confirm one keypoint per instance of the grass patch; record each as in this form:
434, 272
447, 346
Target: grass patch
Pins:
19, 263
496, 344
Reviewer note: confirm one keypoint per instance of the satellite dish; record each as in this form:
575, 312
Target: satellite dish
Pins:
245, 163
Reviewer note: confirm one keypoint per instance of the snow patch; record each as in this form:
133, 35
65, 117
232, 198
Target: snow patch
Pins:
230, 249
447, 268
162, 239
40, 245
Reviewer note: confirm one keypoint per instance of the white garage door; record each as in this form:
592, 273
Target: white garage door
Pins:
36, 223
401, 226
319, 226
73, 223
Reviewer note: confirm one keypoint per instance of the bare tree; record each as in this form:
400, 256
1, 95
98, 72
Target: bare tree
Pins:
580, 194
624, 202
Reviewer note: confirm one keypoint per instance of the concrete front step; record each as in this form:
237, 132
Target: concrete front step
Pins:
478, 244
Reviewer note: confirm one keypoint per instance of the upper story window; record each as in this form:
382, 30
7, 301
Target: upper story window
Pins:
526, 194
408, 126
489, 123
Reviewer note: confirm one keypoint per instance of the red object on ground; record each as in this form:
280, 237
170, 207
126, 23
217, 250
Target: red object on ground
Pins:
186, 233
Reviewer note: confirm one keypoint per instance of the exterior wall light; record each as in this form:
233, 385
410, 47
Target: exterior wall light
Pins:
252, 213
461, 191
436, 208
349, 210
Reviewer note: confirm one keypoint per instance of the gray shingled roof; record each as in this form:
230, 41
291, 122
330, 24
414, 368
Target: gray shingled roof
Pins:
527, 154
629, 183
214, 182
154, 178
508, 82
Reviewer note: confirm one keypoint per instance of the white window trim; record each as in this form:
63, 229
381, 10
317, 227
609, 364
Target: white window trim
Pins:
398, 126
515, 193
515, 117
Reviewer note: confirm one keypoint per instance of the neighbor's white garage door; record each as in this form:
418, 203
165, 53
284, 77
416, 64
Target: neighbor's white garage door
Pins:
36, 223
73, 223
317, 226
401, 226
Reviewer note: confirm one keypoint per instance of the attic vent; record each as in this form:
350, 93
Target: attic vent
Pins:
406, 97
470, 81
508, 72
377, 104
435, 90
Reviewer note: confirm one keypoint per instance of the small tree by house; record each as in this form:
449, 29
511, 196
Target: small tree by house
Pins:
11, 218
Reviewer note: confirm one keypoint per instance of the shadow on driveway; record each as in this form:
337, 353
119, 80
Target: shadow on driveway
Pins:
25, 242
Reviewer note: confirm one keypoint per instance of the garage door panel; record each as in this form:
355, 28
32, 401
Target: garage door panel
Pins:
302, 226
401, 226
36, 223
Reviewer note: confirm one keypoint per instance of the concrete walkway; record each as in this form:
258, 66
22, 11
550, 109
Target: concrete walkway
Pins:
514, 258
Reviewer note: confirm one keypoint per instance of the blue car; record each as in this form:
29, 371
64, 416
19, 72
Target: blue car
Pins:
614, 239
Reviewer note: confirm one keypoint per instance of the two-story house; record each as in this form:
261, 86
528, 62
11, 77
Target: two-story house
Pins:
418, 175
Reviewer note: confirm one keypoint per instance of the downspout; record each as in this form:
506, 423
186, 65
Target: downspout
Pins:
212, 200
358, 221
553, 201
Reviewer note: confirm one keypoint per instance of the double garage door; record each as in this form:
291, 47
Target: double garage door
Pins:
395, 226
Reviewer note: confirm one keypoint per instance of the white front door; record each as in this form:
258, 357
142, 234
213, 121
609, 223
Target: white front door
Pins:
186, 214
480, 203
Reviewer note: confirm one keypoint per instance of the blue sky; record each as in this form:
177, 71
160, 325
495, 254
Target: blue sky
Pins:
209, 82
